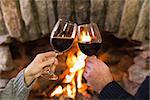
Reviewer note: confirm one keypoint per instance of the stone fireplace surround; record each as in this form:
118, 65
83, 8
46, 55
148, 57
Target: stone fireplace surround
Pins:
26, 24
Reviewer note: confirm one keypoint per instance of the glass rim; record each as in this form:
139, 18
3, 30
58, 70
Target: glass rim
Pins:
66, 21
88, 24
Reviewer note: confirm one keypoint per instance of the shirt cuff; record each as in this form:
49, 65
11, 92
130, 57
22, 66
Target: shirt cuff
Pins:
113, 91
19, 85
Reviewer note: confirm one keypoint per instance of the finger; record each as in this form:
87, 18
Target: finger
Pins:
39, 74
85, 74
94, 56
48, 62
89, 65
91, 59
85, 70
88, 84
46, 69
49, 54
59, 53
55, 61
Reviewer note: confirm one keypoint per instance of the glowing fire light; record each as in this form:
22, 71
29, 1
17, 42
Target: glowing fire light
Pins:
57, 91
71, 60
79, 78
76, 64
71, 89
80, 63
85, 37
69, 78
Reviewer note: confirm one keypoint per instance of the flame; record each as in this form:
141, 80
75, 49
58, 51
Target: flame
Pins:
69, 78
80, 63
79, 78
73, 79
85, 37
57, 91
71, 89
71, 60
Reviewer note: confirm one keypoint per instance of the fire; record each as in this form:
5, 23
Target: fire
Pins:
85, 36
80, 63
69, 78
71, 60
71, 89
57, 91
79, 78
73, 80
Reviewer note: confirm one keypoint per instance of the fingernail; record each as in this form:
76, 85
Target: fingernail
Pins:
88, 83
60, 53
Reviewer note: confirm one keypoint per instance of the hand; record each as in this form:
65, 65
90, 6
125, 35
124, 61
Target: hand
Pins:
35, 68
97, 73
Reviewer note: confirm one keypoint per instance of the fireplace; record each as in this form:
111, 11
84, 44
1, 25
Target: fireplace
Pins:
71, 85
24, 32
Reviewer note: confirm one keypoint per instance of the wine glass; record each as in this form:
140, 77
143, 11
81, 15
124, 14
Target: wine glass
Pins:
61, 39
89, 39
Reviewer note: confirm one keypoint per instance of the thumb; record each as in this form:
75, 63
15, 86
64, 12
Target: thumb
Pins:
92, 57
55, 61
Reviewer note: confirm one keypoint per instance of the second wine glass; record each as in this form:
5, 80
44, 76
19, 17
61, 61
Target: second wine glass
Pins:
89, 39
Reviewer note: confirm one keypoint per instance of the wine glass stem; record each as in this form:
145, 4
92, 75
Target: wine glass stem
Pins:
51, 69
50, 72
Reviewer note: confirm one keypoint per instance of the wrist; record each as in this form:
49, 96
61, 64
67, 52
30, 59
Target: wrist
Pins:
28, 79
105, 82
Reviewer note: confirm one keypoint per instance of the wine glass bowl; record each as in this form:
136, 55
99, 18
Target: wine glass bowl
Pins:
62, 36
89, 39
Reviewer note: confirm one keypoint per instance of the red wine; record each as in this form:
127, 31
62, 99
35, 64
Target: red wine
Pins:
90, 48
61, 43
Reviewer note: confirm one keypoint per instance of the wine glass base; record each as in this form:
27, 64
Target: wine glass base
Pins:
50, 76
